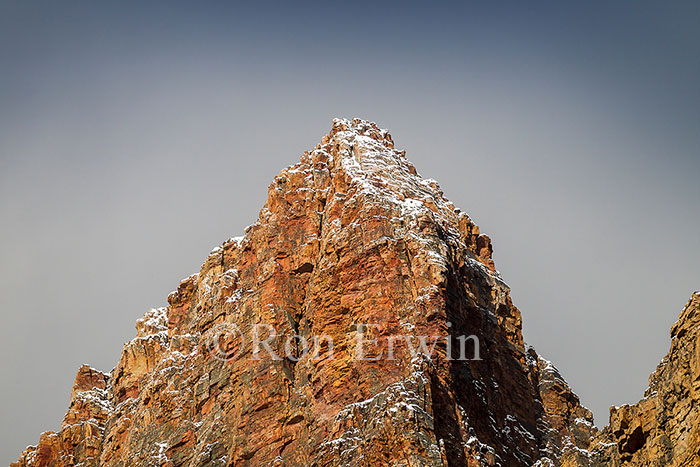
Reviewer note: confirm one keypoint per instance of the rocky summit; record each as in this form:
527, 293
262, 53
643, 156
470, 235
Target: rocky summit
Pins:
360, 321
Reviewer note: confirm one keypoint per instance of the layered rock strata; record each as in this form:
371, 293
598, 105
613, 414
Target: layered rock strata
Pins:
354, 246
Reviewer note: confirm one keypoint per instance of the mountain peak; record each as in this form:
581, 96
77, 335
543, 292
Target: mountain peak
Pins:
359, 127
360, 321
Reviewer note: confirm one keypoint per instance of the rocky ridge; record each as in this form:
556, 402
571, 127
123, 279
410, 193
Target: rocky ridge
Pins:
664, 427
352, 234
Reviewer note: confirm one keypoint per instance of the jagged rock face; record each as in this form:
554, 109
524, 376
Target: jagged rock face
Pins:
664, 427
569, 426
80, 436
349, 235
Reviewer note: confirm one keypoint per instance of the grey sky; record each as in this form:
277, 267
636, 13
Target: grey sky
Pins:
134, 139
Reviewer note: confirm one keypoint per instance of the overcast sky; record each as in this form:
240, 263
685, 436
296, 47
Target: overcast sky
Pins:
134, 139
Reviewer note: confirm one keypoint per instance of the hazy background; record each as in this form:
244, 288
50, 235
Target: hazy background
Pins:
134, 139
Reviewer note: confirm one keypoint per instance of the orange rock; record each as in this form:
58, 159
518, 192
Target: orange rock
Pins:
664, 427
350, 235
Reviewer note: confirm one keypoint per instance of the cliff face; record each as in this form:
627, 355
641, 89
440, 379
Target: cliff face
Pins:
354, 247
664, 427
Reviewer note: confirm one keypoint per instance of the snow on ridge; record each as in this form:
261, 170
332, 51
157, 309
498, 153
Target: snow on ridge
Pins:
153, 322
383, 173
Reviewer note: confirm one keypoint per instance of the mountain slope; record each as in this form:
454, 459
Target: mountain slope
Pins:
354, 247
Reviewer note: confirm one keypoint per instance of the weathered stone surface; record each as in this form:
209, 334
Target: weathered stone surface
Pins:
566, 426
79, 441
351, 234
664, 427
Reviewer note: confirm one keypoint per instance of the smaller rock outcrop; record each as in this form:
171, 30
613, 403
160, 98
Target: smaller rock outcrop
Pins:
566, 426
664, 427
79, 440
